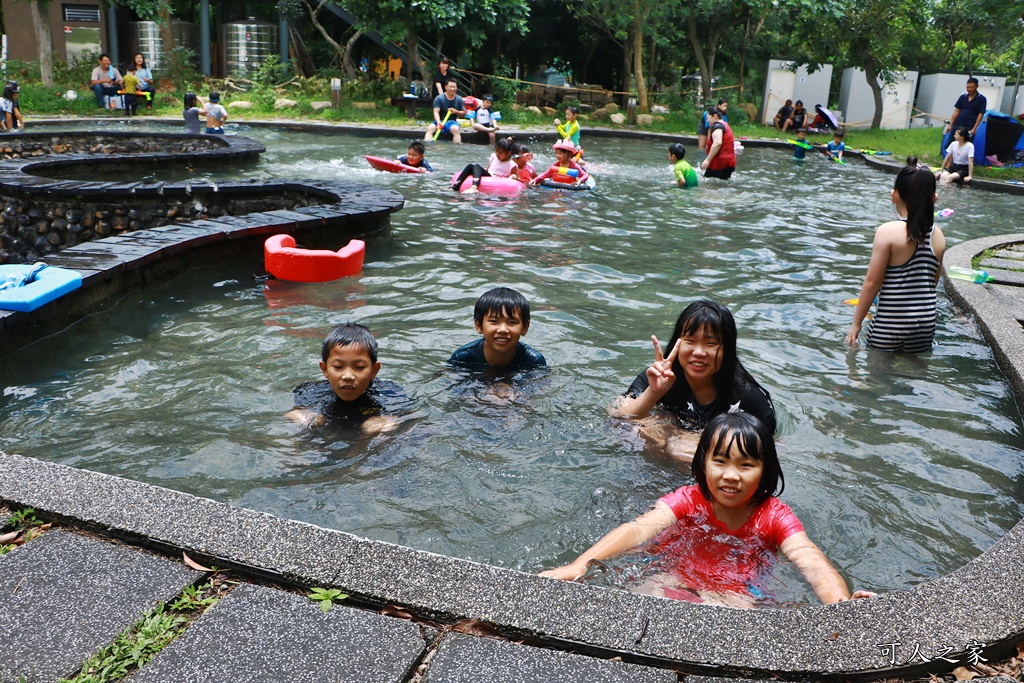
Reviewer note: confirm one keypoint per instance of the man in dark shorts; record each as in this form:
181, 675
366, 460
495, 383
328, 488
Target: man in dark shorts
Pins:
969, 110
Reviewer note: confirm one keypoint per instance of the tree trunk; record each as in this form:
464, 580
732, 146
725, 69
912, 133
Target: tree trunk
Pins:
412, 55
627, 71
166, 32
314, 12
346, 57
698, 52
638, 62
41, 24
876, 90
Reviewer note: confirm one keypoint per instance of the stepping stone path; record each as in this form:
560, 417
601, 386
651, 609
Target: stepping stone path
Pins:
64, 596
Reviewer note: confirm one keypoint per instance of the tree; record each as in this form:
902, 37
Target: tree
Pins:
44, 40
868, 35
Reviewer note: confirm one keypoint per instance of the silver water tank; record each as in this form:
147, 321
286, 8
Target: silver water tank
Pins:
247, 44
144, 37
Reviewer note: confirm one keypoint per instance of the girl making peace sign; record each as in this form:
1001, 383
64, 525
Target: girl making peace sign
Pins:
698, 377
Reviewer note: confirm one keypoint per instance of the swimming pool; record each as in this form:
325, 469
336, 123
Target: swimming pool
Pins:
901, 468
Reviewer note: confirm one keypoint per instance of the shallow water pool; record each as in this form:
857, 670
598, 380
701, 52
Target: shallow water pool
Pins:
902, 468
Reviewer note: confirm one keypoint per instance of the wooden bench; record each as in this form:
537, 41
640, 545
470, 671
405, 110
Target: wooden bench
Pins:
411, 103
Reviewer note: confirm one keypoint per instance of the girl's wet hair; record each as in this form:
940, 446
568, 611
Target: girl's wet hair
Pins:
916, 187
506, 144
190, 100
716, 320
350, 333
753, 440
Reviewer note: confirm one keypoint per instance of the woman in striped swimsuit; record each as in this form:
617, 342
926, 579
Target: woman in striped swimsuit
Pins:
904, 269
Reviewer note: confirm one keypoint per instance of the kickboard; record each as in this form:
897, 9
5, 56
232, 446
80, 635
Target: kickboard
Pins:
392, 166
51, 283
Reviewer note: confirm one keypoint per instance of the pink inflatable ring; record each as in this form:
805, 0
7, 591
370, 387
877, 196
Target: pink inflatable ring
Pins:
287, 262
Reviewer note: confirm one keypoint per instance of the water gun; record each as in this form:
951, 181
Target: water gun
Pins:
800, 143
874, 152
437, 134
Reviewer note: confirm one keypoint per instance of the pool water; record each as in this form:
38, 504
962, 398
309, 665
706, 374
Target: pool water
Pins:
902, 468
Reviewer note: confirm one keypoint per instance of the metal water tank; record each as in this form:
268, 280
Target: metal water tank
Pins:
247, 44
144, 37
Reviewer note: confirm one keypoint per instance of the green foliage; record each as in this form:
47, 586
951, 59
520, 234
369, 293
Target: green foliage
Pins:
366, 87
181, 69
75, 74
503, 88
21, 520
133, 648
146, 638
326, 597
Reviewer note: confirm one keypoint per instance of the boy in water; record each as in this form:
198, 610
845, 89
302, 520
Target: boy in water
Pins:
502, 316
350, 391
685, 175
836, 147
414, 156
799, 151
216, 115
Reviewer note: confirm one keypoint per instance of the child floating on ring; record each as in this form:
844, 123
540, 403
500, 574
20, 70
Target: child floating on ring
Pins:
565, 170
726, 522
500, 165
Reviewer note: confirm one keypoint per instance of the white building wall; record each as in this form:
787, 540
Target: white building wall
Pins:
782, 84
858, 103
938, 93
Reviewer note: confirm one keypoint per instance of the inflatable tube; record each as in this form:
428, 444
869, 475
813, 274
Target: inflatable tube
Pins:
393, 166
285, 261
49, 283
491, 185
551, 184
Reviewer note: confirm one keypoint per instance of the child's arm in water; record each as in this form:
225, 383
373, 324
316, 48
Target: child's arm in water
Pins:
880, 251
817, 571
618, 541
660, 379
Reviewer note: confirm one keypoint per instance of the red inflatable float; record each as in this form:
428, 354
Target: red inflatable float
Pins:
285, 261
393, 166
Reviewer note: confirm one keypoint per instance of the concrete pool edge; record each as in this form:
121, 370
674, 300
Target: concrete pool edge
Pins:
979, 607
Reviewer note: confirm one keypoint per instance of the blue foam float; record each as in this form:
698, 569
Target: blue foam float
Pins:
30, 286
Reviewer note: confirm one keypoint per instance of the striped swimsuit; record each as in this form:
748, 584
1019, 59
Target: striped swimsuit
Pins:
905, 315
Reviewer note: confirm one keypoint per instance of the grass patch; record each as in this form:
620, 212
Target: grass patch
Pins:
19, 528
154, 631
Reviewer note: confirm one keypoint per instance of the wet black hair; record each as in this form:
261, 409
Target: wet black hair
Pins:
520, 148
506, 144
418, 148
732, 379
916, 187
9, 89
753, 440
573, 109
912, 161
190, 100
677, 150
502, 300
350, 333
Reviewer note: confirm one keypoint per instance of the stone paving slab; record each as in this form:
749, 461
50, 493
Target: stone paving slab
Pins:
63, 596
1003, 264
469, 659
261, 635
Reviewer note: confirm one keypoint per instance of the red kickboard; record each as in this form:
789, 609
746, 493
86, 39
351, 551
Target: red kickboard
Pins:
392, 166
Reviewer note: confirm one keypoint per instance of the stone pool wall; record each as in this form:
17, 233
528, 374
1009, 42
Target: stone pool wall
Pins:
128, 234
40, 216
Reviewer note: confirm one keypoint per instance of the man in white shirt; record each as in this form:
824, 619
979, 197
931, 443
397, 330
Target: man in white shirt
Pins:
106, 80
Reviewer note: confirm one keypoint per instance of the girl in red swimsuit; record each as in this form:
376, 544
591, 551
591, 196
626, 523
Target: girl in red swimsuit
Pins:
730, 519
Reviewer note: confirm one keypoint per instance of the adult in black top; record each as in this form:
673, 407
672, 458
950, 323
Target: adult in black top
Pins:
441, 77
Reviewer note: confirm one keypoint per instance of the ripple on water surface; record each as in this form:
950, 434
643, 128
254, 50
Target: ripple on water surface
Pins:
901, 468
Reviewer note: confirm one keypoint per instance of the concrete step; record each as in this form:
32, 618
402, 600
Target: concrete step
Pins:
263, 635
63, 596
469, 659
